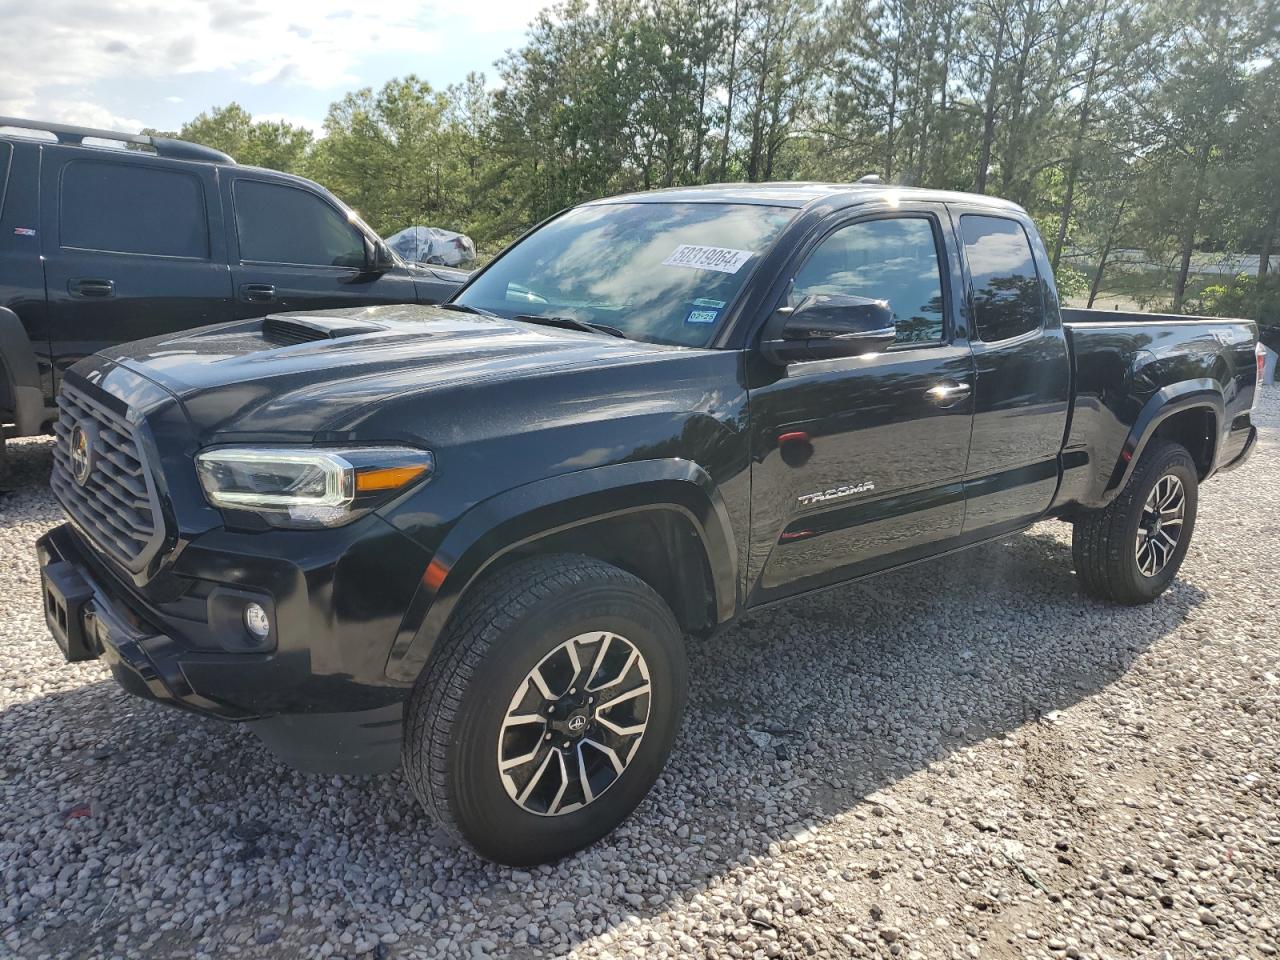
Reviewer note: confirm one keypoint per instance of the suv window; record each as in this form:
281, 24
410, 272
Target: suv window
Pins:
1006, 288
132, 208
894, 259
279, 224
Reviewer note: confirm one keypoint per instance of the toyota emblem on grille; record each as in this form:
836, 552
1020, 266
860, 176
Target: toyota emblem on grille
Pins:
81, 454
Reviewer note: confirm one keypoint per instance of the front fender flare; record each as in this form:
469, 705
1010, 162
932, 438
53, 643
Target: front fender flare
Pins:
1164, 403
510, 520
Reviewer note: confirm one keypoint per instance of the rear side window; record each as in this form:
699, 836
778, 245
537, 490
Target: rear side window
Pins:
278, 224
127, 208
1007, 300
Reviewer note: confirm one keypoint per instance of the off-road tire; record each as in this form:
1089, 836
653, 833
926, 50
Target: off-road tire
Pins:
1103, 541
500, 631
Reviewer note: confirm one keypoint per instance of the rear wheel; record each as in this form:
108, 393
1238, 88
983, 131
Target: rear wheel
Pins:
1130, 551
548, 710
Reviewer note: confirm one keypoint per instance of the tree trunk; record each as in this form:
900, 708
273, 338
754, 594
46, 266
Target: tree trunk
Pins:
893, 110
1106, 252
1077, 148
1187, 242
730, 83
1268, 243
1013, 142
989, 113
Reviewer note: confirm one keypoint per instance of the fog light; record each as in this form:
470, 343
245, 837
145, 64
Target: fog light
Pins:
256, 621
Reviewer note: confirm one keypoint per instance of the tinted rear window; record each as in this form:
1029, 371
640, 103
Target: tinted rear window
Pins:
128, 208
1006, 288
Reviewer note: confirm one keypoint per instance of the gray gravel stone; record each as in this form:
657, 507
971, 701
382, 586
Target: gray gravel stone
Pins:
963, 759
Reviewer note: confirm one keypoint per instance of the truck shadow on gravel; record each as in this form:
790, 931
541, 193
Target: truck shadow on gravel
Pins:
797, 717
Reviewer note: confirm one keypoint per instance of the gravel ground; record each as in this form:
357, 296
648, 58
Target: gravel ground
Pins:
966, 759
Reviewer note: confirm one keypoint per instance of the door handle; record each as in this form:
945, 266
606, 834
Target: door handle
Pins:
84, 287
948, 393
258, 292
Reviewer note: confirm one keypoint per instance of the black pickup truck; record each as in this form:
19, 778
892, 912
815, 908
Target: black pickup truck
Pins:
473, 536
108, 236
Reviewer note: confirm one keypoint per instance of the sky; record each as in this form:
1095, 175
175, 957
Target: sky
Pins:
129, 64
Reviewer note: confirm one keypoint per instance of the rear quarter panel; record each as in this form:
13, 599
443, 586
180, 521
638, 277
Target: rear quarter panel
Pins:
1126, 367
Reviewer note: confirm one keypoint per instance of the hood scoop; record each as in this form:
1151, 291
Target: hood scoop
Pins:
287, 331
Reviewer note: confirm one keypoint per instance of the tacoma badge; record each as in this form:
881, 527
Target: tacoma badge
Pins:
835, 493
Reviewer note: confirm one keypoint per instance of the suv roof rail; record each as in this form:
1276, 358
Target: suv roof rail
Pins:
163, 146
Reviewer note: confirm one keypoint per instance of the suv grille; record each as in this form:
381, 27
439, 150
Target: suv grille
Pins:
115, 504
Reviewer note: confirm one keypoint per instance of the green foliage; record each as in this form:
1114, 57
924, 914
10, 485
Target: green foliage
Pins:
262, 143
1116, 123
1245, 296
1072, 283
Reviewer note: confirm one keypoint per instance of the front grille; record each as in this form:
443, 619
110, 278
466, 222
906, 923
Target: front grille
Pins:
116, 505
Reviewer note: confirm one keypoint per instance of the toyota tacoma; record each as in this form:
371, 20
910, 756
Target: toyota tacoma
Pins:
470, 538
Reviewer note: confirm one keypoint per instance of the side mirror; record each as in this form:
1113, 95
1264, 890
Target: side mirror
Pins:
827, 326
377, 256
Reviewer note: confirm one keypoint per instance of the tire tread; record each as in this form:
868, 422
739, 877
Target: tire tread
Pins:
1099, 543
493, 607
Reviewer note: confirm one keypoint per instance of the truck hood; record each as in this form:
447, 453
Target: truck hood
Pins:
298, 374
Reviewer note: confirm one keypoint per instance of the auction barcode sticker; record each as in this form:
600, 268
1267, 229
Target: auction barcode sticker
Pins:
720, 259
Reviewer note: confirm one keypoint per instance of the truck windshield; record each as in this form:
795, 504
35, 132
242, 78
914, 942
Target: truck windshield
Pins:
661, 272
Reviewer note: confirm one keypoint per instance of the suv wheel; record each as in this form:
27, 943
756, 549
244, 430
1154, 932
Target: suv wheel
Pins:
1130, 551
547, 710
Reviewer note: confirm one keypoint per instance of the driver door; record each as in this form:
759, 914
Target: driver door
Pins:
858, 463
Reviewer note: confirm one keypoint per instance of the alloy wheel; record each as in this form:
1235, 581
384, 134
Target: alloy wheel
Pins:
574, 723
1160, 528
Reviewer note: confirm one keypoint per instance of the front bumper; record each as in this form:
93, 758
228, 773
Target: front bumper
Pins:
316, 691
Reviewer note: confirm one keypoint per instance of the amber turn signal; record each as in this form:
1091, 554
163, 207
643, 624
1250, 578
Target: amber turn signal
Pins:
376, 479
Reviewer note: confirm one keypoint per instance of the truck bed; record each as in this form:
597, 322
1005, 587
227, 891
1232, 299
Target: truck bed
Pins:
1128, 368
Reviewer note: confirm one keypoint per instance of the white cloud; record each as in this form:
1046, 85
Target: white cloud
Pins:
49, 48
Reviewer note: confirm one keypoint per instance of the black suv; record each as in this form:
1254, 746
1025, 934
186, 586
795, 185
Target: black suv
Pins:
107, 237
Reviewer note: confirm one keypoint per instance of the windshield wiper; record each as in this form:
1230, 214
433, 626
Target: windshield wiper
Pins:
569, 323
467, 308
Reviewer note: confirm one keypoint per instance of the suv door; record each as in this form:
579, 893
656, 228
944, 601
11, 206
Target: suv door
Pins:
132, 246
295, 249
1022, 384
858, 463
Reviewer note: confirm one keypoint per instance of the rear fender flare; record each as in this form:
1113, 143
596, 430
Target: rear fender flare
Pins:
514, 519
1164, 403
21, 374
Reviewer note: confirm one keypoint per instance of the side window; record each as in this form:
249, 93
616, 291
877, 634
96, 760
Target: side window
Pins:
132, 208
894, 259
1007, 300
279, 224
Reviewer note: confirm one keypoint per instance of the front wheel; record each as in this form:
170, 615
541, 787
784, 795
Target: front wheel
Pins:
1130, 551
548, 710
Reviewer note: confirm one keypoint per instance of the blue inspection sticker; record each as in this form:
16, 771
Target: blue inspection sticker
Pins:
702, 316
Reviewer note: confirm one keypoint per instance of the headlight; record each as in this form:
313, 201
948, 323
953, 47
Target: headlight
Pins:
308, 487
